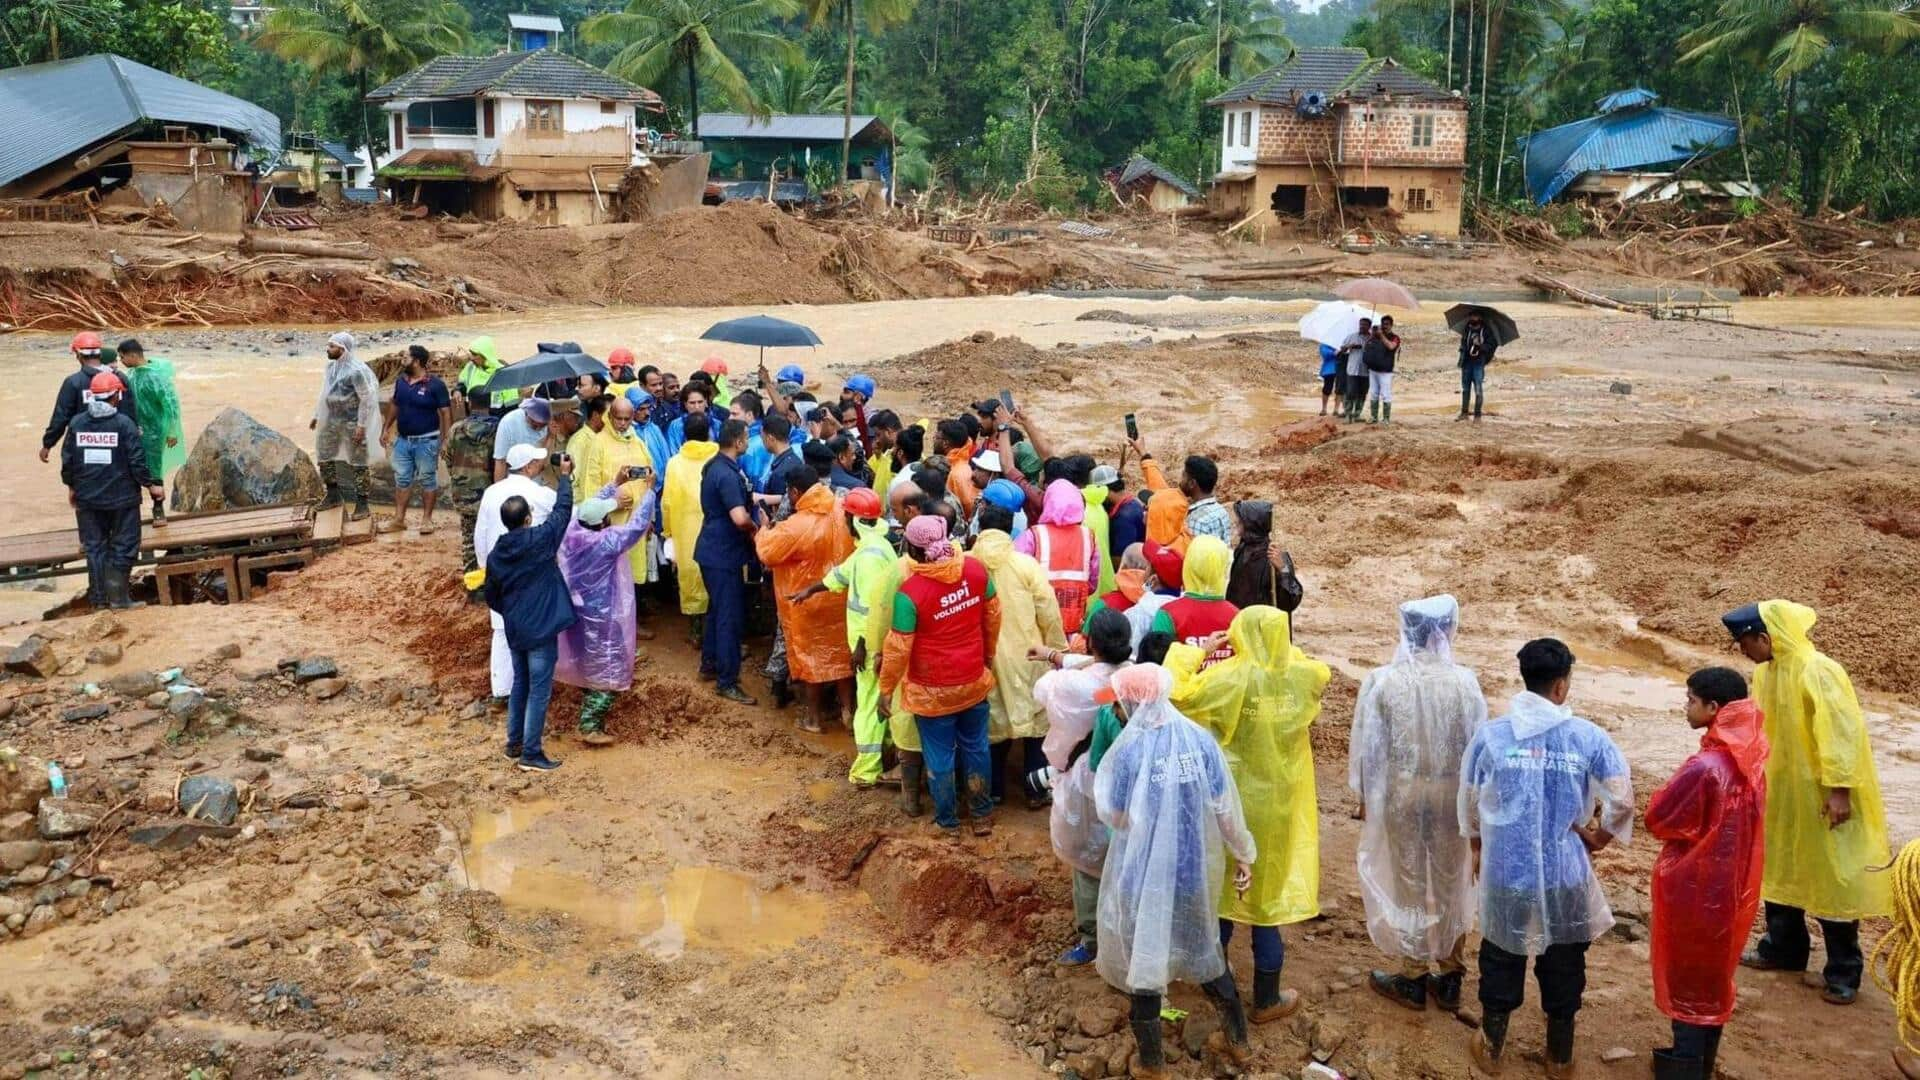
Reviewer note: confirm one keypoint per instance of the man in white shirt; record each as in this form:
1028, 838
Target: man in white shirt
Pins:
524, 463
526, 424
1354, 350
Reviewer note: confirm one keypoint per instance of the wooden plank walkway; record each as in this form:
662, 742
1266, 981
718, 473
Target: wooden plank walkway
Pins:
248, 528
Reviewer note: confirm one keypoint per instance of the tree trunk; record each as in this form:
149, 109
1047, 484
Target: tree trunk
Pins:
1786, 160
1466, 63
1500, 149
693, 99
846, 129
1486, 66
1450, 18
366, 125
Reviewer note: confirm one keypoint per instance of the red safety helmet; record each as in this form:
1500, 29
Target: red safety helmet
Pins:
87, 341
622, 356
862, 503
105, 384
713, 365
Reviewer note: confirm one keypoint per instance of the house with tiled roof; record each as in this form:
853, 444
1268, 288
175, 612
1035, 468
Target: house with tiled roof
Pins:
535, 135
1332, 130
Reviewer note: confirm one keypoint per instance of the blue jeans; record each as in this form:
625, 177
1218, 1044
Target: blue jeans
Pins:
532, 689
1473, 380
1269, 951
417, 457
725, 622
940, 737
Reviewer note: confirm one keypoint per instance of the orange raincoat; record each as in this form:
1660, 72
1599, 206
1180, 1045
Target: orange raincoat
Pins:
801, 550
1166, 511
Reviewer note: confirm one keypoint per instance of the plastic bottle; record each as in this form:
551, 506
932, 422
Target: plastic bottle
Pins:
56, 780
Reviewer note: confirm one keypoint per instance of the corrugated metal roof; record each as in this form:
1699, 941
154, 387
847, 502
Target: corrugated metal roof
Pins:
1138, 167
1626, 99
538, 73
341, 153
1626, 138
1329, 72
796, 127
61, 108
548, 23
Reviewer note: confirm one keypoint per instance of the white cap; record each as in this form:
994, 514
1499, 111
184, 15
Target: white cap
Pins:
988, 460
523, 454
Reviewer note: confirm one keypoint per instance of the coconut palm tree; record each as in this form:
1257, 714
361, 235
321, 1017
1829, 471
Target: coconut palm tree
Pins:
1240, 38
1791, 36
796, 83
710, 38
54, 23
369, 41
875, 15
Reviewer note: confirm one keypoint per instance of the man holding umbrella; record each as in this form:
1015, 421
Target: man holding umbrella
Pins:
1477, 343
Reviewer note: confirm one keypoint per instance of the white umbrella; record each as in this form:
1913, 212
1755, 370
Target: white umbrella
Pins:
1333, 322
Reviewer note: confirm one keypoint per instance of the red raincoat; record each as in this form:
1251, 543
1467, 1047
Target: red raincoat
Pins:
1706, 884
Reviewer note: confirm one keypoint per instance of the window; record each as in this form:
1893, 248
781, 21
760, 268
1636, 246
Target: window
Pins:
1290, 199
486, 115
543, 118
1228, 137
1418, 200
399, 131
1423, 129
606, 107
454, 117
1246, 128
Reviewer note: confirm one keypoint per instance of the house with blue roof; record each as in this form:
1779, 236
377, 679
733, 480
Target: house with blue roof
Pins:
1632, 148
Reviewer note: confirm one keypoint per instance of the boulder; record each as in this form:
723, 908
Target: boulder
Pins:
18, 825
238, 461
106, 654
64, 819
22, 788
210, 798
1095, 1021
34, 657
19, 854
311, 668
179, 834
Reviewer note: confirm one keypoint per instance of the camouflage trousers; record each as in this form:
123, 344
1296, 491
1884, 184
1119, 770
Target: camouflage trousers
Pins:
348, 478
594, 705
469, 507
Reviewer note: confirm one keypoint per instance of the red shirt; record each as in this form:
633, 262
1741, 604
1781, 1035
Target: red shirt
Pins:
949, 627
1195, 620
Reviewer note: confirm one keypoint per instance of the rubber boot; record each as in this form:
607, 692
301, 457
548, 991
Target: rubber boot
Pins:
782, 693
1230, 1041
1666, 1066
1271, 1003
1489, 1041
912, 775
1559, 1048
1713, 1054
1150, 1056
1373, 410
1386, 412
332, 497
119, 590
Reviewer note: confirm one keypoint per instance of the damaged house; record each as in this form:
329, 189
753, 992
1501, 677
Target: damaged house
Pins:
130, 136
1332, 130
532, 136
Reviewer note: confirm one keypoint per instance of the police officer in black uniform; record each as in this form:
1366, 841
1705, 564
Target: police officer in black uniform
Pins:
104, 467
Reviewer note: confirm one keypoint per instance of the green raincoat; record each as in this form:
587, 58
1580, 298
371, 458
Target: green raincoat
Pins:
158, 407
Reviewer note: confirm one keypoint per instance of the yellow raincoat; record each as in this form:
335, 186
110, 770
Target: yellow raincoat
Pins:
1029, 618
1819, 739
870, 576
1259, 704
607, 453
1096, 520
901, 726
680, 513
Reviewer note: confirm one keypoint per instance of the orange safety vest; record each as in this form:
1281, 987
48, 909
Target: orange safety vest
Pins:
1064, 551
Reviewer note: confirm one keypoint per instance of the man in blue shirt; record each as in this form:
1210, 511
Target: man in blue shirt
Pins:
415, 430
526, 589
1529, 785
776, 439
722, 553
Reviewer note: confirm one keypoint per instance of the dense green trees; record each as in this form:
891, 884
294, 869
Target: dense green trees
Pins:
715, 40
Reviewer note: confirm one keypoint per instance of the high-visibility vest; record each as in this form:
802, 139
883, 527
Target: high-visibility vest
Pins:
1064, 552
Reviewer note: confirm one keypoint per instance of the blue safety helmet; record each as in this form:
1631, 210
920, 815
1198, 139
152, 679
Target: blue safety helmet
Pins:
862, 384
1006, 495
791, 373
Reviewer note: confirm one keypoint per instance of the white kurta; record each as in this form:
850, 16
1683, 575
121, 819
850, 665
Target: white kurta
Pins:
487, 530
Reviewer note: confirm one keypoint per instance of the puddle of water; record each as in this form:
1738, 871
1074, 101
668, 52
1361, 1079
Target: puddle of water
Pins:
695, 906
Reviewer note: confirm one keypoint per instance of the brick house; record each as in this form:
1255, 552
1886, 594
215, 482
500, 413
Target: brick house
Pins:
1333, 129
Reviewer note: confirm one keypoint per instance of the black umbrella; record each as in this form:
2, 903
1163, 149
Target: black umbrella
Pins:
552, 362
764, 331
1502, 324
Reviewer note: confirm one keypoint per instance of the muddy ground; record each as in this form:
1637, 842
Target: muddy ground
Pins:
708, 898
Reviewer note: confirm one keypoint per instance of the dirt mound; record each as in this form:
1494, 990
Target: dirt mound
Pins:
957, 373
1684, 545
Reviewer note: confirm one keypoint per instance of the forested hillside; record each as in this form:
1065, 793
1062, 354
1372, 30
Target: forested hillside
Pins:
1038, 95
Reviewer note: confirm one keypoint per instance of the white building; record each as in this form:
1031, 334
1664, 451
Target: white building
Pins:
536, 135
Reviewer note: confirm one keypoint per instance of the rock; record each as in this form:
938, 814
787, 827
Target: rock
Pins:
107, 654
18, 825
311, 668
1004, 1007
20, 854
261, 753
159, 699
9, 907
7, 705
1194, 1032
229, 651
64, 819
353, 801
1328, 1037
72, 667
92, 710
1097, 1021
326, 689
475, 710
256, 672
32, 875
33, 657
238, 461
135, 684
1614, 1054
41, 918
179, 835
1087, 1066
22, 789
210, 798
1618, 387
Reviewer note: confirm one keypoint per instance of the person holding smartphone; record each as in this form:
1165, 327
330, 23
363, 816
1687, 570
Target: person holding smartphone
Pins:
621, 457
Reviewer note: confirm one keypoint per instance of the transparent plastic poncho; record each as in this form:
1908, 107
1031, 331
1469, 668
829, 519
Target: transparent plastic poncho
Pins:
1165, 791
1411, 726
597, 651
1526, 780
1079, 836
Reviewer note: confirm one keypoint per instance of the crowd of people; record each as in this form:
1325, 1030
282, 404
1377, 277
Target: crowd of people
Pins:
996, 616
